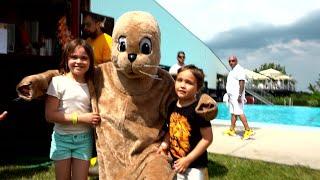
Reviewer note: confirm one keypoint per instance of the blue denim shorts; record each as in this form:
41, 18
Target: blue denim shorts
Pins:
77, 146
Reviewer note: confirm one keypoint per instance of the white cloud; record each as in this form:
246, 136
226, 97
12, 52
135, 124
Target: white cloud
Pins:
295, 46
300, 58
206, 18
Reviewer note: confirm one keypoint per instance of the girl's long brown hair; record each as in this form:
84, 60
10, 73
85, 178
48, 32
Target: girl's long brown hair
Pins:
68, 49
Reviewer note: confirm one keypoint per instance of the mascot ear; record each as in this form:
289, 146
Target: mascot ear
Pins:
207, 107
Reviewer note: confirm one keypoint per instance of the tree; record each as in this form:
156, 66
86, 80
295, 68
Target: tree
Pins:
316, 87
273, 66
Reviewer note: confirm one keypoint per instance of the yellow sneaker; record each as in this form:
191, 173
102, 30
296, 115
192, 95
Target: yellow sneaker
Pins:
230, 132
94, 167
247, 134
93, 161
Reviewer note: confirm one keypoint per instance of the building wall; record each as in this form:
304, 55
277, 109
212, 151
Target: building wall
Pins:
174, 36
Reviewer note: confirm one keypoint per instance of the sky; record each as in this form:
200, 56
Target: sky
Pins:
285, 32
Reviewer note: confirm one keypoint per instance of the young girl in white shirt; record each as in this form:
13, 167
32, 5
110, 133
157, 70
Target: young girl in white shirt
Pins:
68, 106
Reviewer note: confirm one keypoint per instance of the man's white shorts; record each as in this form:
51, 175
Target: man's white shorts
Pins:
235, 107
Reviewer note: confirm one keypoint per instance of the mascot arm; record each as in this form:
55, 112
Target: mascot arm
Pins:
35, 86
207, 107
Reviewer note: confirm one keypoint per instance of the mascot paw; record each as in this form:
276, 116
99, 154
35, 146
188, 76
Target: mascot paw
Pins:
24, 90
35, 86
207, 107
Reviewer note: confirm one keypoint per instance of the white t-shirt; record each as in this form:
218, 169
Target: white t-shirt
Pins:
234, 76
174, 69
74, 97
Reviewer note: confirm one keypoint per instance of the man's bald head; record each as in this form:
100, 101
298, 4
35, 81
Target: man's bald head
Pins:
233, 61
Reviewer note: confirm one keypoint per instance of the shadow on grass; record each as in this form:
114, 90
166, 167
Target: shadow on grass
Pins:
18, 172
23, 166
216, 170
24, 160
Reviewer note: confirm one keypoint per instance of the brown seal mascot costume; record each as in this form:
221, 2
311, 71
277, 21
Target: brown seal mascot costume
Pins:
132, 95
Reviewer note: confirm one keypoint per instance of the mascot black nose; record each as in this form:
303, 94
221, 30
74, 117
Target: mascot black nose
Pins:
132, 57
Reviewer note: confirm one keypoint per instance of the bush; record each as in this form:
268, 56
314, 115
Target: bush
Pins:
299, 99
312, 102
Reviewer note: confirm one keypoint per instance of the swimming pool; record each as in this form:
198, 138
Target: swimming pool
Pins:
275, 114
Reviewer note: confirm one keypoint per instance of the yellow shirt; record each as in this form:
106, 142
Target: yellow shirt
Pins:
101, 48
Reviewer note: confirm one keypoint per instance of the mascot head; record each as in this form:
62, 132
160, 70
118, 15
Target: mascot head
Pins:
136, 45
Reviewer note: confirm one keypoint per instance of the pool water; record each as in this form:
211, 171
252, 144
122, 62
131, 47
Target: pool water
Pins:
276, 114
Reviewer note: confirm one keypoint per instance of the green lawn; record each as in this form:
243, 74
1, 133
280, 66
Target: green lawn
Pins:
228, 167
220, 167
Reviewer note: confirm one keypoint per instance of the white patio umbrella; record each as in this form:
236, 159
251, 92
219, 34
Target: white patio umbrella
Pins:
271, 73
283, 77
254, 76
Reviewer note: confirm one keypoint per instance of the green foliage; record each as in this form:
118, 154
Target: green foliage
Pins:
299, 99
316, 87
313, 102
271, 65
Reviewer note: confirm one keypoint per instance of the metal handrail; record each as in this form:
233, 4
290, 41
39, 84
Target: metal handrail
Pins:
261, 98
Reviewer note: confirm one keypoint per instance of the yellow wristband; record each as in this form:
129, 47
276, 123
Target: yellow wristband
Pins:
74, 118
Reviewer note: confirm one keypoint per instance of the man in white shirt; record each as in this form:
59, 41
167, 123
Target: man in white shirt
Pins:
236, 97
174, 68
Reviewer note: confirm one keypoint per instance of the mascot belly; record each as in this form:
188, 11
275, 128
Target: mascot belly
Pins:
132, 96
128, 136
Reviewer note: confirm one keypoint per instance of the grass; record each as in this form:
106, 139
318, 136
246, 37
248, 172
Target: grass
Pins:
25, 168
220, 167
228, 167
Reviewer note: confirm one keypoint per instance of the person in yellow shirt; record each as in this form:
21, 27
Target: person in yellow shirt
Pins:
100, 41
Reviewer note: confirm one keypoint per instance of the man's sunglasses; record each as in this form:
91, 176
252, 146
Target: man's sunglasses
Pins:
182, 57
232, 60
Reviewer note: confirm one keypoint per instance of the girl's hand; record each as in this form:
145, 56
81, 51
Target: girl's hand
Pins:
181, 165
90, 118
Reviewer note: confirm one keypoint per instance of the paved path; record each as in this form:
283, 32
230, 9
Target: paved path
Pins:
291, 145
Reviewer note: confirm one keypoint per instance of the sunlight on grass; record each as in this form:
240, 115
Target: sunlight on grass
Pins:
228, 167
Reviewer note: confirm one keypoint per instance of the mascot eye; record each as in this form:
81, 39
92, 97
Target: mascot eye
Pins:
145, 46
122, 46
